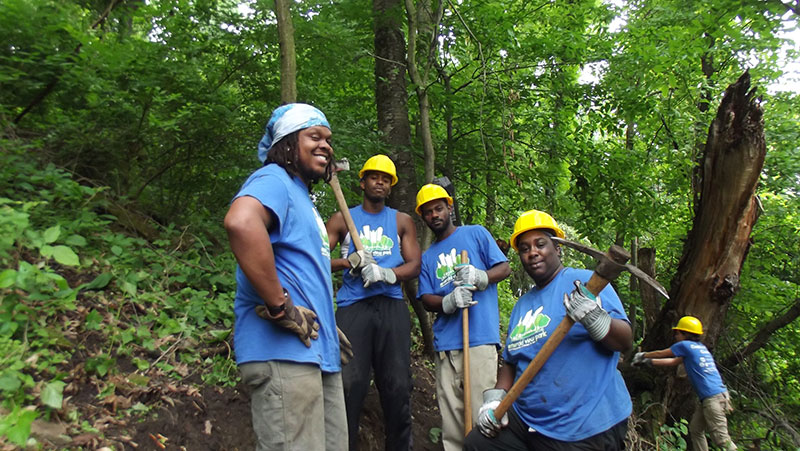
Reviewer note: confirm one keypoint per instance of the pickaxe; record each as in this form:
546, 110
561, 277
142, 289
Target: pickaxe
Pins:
609, 267
344, 165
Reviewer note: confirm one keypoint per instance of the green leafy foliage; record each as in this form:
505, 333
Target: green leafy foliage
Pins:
672, 437
158, 107
69, 272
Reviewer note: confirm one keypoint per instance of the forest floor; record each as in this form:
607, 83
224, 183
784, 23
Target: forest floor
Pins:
219, 419
191, 416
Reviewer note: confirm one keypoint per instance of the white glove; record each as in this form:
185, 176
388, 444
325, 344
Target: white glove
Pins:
359, 260
584, 307
640, 360
467, 274
460, 297
373, 273
487, 423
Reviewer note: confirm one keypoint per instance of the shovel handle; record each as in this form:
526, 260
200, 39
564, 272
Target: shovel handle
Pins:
348, 220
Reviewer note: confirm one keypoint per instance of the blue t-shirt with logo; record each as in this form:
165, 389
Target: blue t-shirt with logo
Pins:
378, 233
437, 275
302, 259
578, 392
700, 368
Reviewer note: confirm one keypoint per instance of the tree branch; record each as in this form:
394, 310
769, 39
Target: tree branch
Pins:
52, 84
763, 335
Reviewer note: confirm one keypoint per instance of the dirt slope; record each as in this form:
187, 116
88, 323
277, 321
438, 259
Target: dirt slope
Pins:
216, 418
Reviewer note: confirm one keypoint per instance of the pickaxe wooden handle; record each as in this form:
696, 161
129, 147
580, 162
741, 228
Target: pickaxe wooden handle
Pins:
467, 383
609, 266
348, 220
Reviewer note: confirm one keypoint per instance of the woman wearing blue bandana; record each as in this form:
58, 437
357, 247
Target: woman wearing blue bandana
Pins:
286, 342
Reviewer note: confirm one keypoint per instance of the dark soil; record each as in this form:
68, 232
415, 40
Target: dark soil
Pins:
216, 418
127, 408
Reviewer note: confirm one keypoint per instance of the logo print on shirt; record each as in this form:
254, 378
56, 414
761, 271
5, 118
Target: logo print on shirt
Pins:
445, 265
528, 330
323, 235
375, 241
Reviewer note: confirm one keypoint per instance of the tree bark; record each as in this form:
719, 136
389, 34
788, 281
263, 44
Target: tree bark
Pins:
391, 93
707, 276
651, 300
283, 15
422, 24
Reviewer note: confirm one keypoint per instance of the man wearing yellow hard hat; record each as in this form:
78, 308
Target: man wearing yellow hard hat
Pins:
371, 310
446, 286
578, 400
715, 402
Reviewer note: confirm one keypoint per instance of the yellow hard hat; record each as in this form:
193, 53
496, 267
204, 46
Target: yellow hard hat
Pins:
532, 220
380, 163
431, 192
689, 324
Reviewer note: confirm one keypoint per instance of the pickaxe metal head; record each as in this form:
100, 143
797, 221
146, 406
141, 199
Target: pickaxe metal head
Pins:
445, 183
341, 165
608, 268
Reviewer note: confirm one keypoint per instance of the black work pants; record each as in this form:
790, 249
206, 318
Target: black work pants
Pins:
379, 329
517, 437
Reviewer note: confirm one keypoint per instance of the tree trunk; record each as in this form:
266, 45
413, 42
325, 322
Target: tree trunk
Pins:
391, 95
421, 25
283, 15
707, 276
651, 300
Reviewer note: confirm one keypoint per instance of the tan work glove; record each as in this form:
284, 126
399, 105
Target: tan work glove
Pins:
345, 348
299, 320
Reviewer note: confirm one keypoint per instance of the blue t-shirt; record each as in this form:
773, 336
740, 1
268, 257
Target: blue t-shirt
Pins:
700, 368
578, 392
378, 233
302, 259
437, 275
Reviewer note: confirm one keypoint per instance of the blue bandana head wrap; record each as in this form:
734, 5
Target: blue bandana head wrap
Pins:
286, 120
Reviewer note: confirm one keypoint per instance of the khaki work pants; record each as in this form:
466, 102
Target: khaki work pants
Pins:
710, 416
296, 407
450, 389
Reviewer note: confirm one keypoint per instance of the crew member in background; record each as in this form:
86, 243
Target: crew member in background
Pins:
447, 285
578, 400
370, 306
285, 336
715, 402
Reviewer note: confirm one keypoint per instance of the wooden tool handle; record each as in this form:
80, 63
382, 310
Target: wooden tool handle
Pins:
533, 368
467, 383
595, 285
348, 220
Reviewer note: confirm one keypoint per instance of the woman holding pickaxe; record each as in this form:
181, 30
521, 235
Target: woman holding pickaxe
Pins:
578, 400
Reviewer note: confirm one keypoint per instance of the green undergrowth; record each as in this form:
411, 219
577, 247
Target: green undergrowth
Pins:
84, 303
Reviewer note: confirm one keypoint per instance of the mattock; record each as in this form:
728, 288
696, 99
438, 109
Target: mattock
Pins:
609, 266
344, 165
